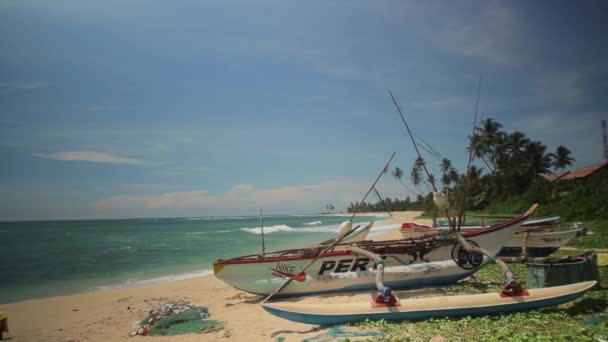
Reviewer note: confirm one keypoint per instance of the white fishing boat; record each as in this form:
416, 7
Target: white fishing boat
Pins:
538, 244
431, 260
536, 237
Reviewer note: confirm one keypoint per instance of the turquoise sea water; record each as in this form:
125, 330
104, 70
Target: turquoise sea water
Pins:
48, 258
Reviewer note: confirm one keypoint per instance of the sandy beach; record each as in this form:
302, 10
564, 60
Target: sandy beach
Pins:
109, 315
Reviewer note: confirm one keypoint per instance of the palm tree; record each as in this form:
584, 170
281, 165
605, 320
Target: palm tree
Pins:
398, 174
562, 158
415, 176
419, 165
446, 166
537, 161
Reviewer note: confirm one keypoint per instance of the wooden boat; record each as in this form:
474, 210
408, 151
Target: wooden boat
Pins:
536, 236
539, 244
539, 224
432, 260
423, 308
411, 229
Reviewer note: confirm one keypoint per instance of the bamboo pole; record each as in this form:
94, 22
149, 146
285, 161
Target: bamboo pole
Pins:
337, 240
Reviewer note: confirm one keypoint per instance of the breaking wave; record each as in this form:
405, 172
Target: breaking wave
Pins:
313, 223
269, 229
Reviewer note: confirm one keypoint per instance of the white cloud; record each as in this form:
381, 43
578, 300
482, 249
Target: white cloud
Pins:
92, 157
247, 199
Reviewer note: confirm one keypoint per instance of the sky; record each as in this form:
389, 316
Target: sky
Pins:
127, 109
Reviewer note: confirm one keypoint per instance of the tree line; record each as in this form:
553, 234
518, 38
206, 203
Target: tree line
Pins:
505, 165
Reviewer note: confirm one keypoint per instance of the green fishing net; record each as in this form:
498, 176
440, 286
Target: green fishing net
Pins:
187, 322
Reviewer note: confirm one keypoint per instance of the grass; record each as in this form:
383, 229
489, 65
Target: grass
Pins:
583, 320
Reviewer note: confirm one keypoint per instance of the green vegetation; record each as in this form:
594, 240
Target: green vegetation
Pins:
421, 203
511, 179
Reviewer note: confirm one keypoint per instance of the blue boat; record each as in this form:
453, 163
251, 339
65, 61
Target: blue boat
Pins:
423, 308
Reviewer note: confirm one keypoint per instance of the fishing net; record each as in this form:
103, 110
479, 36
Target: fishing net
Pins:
176, 318
187, 322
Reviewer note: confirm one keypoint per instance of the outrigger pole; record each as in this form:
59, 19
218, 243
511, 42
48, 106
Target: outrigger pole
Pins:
428, 174
338, 240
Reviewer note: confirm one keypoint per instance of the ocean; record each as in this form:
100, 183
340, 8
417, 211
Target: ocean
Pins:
49, 258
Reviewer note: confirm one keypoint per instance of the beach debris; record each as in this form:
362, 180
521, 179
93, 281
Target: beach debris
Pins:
246, 298
176, 318
227, 333
243, 295
123, 299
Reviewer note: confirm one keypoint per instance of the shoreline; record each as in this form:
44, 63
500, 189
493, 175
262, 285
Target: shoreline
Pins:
144, 252
108, 314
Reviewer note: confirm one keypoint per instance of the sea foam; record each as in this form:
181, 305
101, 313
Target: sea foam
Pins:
313, 223
156, 280
269, 229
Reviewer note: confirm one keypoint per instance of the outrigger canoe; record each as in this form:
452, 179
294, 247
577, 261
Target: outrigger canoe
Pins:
431, 260
423, 308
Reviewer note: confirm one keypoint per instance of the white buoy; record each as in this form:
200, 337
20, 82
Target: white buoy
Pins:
440, 199
345, 227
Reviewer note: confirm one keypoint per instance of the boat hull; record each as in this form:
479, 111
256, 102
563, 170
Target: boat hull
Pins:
538, 244
340, 270
423, 308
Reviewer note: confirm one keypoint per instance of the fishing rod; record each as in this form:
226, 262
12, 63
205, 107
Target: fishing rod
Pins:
452, 223
338, 240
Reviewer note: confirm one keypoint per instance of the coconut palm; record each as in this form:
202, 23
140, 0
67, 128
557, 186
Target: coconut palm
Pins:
398, 173
537, 161
415, 176
562, 158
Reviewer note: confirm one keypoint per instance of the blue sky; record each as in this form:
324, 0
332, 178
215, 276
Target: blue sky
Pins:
115, 109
